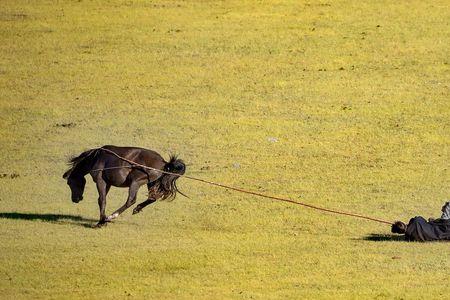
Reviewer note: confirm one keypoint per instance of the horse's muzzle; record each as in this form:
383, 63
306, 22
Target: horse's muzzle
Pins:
77, 199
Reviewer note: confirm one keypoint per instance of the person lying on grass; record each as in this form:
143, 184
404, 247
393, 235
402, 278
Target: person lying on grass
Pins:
418, 229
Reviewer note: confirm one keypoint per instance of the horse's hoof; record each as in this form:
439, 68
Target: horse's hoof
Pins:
111, 217
100, 224
136, 210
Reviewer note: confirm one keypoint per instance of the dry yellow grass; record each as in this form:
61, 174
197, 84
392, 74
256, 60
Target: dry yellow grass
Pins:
340, 104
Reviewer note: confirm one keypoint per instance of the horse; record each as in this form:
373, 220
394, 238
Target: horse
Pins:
124, 167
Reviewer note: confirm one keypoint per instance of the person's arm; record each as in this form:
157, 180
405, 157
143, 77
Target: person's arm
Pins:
446, 211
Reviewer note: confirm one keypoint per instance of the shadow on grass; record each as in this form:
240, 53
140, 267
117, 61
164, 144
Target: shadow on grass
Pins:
50, 218
375, 237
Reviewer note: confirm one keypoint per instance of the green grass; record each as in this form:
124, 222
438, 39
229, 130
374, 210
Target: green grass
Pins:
356, 95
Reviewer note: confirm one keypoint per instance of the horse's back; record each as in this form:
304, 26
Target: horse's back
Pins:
128, 150
139, 155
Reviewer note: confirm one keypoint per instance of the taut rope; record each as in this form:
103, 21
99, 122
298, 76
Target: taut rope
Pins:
135, 164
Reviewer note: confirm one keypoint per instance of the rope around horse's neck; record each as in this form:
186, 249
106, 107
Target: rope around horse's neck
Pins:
135, 164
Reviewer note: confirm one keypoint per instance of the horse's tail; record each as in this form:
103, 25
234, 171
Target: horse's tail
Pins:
85, 157
167, 182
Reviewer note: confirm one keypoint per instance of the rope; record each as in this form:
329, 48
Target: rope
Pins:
135, 164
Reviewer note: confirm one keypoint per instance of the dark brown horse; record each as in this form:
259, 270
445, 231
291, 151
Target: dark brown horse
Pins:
108, 169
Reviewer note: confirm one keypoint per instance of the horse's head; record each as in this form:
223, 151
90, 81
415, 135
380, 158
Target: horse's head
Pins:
77, 187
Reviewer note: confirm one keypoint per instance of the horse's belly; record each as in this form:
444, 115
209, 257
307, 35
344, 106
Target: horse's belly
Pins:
114, 177
118, 179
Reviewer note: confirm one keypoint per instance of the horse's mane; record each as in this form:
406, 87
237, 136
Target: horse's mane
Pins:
74, 161
166, 185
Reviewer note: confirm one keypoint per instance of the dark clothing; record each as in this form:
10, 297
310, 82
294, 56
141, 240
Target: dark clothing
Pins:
420, 230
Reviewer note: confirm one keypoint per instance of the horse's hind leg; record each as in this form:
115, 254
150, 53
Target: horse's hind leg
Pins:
140, 206
152, 196
132, 192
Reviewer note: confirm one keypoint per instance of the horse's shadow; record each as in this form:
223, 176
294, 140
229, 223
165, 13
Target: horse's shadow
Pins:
50, 218
375, 237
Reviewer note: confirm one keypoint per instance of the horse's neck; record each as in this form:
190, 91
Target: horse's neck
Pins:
79, 172
83, 168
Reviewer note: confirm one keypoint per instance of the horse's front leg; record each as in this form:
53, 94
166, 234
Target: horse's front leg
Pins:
103, 189
132, 192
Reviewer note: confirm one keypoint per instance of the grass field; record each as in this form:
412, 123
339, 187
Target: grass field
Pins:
341, 104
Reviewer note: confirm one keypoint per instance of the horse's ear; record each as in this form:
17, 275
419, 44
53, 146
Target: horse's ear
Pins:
66, 174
